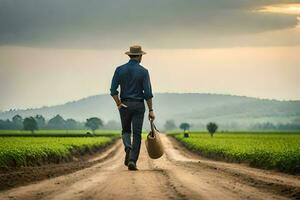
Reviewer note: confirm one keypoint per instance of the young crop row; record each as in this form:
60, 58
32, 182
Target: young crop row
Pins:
26, 151
269, 151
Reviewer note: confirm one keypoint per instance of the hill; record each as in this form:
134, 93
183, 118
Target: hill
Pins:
196, 108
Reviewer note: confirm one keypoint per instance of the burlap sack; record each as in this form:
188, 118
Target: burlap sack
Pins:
153, 143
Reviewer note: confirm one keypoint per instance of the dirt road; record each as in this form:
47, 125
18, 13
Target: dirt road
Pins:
179, 174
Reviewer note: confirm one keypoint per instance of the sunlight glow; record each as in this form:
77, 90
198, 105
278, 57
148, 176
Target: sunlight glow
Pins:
282, 8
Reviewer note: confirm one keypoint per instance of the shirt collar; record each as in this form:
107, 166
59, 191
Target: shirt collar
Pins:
133, 61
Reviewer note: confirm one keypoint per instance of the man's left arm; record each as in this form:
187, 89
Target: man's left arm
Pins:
148, 95
147, 87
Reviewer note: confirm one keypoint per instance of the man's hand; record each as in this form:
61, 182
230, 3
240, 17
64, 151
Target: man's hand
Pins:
151, 116
122, 105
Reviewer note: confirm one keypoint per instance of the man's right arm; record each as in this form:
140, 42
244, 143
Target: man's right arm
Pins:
148, 95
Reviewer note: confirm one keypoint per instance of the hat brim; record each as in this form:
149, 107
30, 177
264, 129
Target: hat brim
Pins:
135, 54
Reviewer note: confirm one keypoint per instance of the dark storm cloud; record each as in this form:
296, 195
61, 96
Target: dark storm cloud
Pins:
104, 23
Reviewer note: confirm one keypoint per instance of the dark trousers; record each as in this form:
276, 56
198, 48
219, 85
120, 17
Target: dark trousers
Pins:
132, 119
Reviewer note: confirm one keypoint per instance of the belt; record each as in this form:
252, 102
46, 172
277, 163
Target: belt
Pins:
132, 100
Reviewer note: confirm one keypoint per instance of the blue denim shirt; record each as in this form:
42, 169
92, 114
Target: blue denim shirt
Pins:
134, 81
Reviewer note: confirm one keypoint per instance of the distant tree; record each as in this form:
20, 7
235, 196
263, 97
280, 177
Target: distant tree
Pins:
185, 127
40, 120
296, 121
212, 128
6, 125
265, 126
112, 125
289, 126
2, 124
93, 123
57, 122
170, 125
30, 124
17, 122
72, 124
268, 126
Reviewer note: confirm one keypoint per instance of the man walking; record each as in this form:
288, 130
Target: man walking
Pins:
135, 87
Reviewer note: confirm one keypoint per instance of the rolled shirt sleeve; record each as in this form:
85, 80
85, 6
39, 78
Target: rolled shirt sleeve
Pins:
115, 84
147, 87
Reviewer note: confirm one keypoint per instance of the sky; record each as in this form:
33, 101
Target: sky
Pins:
54, 51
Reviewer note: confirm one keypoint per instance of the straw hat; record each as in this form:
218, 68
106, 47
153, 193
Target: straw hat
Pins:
135, 50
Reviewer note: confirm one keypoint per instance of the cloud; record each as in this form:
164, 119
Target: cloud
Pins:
115, 23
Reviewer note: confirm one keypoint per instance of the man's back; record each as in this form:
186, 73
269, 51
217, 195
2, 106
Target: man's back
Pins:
134, 81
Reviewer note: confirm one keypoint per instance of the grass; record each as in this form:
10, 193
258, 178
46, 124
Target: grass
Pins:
28, 151
279, 151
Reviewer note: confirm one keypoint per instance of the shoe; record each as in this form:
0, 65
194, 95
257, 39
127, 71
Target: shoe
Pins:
132, 166
127, 157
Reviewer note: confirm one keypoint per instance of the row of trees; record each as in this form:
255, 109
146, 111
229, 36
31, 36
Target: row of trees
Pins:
291, 126
211, 128
55, 123
270, 126
170, 125
58, 122
31, 124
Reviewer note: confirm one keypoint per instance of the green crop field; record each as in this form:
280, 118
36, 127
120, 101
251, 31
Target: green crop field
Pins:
26, 151
279, 151
58, 131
